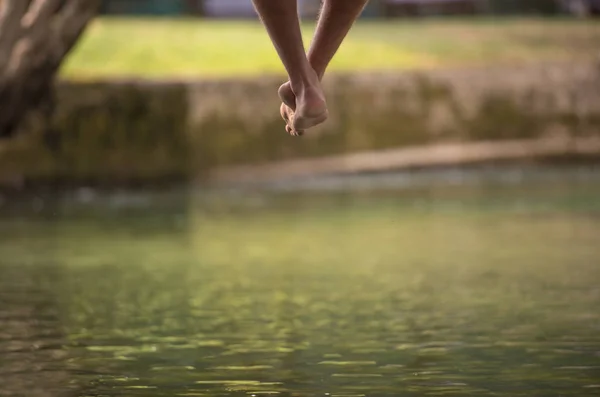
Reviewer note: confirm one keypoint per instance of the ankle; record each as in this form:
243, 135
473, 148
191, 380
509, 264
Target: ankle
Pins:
309, 81
318, 65
310, 88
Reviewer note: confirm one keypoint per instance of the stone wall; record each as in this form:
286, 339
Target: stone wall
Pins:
113, 132
145, 131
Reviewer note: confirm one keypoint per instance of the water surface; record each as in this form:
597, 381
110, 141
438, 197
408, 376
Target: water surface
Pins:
489, 291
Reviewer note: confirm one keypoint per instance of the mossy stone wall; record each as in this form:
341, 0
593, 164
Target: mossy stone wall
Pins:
105, 132
113, 132
239, 123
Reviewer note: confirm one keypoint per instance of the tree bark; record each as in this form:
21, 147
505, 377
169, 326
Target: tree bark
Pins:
35, 37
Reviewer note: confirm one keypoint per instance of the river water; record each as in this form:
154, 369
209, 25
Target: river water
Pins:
480, 290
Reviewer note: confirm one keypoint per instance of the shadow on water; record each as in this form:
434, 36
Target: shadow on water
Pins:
481, 290
32, 358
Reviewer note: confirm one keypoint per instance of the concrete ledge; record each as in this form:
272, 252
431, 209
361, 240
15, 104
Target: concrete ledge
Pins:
428, 156
140, 132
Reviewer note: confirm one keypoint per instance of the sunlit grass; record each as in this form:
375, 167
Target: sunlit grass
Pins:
197, 48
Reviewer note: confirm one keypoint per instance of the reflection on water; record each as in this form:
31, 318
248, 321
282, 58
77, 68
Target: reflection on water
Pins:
480, 292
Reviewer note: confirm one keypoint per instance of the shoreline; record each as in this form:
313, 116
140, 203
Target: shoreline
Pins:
155, 132
419, 157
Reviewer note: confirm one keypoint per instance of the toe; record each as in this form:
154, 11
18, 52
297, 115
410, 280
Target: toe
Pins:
283, 112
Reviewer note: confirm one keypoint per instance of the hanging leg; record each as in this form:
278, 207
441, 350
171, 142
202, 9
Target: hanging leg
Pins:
281, 21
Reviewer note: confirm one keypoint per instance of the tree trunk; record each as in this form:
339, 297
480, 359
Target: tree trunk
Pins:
35, 37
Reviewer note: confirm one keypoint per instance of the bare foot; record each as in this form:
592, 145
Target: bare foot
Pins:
303, 107
287, 107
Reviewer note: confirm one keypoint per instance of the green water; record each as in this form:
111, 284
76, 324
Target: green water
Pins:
478, 292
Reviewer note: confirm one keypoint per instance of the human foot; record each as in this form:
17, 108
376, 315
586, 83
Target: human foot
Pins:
287, 108
303, 106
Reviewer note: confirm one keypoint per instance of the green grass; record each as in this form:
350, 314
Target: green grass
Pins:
196, 48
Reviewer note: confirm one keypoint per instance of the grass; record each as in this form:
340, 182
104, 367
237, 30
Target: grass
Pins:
167, 48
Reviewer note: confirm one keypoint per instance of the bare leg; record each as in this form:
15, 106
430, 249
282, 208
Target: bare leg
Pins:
335, 21
280, 18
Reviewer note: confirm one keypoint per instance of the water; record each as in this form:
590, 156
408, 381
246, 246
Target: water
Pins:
482, 291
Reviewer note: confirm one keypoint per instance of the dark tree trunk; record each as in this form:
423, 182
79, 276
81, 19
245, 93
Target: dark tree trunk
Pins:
35, 37
194, 7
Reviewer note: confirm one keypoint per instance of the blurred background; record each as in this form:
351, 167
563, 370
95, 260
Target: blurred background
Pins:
161, 234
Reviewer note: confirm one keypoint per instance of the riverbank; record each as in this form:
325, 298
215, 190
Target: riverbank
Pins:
138, 132
421, 157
